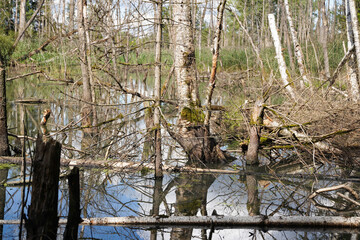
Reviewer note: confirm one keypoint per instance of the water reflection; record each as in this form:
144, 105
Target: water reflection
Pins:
124, 133
191, 196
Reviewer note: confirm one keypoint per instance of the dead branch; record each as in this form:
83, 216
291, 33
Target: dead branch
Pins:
23, 75
44, 45
333, 188
348, 199
340, 65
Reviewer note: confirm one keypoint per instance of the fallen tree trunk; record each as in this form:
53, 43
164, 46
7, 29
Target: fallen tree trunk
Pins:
123, 166
279, 222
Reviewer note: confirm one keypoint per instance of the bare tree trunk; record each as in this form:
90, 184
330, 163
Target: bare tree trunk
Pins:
22, 17
297, 48
190, 133
211, 24
354, 85
324, 28
200, 28
279, 56
16, 25
255, 128
71, 14
184, 54
72, 225
4, 142
287, 41
354, 20
42, 214
157, 89
309, 22
216, 49
87, 95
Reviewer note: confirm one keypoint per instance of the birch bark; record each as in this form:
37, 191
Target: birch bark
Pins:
279, 56
184, 55
191, 131
297, 48
351, 70
157, 89
22, 16
355, 29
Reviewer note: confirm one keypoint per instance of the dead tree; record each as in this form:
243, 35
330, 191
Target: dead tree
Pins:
42, 220
255, 127
157, 89
352, 69
297, 48
72, 225
279, 56
191, 131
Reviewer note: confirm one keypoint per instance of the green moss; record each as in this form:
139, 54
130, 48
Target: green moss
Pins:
190, 206
6, 165
144, 171
193, 115
265, 140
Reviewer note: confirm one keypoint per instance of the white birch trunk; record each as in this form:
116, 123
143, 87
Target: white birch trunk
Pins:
279, 56
184, 54
297, 48
22, 16
157, 89
351, 70
354, 20
271, 222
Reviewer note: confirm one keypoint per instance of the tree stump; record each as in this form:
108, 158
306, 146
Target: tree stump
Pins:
42, 221
72, 225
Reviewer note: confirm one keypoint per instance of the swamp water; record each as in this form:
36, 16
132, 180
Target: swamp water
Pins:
279, 189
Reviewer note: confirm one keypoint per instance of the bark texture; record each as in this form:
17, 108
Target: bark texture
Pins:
87, 94
157, 89
191, 131
297, 48
279, 56
42, 219
22, 16
72, 225
255, 128
352, 70
355, 28
4, 142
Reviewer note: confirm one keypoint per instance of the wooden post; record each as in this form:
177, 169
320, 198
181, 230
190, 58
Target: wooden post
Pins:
72, 225
42, 221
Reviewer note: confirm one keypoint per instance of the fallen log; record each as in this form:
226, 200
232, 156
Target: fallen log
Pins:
278, 222
133, 166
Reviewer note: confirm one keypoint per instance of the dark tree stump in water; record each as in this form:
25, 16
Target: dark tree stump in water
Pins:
72, 225
42, 221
